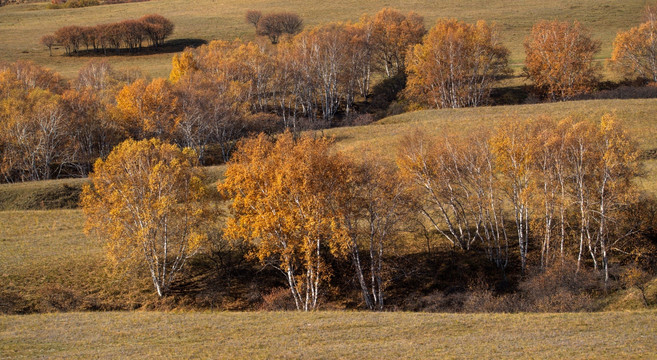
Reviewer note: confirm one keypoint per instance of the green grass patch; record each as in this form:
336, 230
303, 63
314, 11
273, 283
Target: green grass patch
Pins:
357, 335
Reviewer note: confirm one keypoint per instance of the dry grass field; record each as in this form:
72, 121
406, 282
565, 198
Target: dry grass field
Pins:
21, 26
330, 335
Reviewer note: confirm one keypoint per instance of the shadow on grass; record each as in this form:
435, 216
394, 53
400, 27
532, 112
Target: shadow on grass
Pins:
169, 47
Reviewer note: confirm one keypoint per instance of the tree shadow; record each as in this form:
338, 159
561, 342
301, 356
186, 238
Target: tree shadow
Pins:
169, 47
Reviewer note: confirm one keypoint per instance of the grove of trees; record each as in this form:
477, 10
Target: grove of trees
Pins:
563, 180
128, 34
315, 75
563, 189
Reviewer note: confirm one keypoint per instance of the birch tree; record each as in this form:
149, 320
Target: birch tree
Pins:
560, 59
374, 201
456, 65
145, 201
392, 34
635, 50
281, 200
514, 161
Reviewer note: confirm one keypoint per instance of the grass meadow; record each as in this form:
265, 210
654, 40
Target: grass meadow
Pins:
22, 26
328, 335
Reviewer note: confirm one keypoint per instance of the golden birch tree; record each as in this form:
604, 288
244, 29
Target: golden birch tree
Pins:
559, 59
456, 65
145, 201
392, 32
635, 50
281, 200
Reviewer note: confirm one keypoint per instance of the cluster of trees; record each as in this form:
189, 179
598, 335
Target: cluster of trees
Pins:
568, 185
301, 203
130, 34
274, 25
49, 127
563, 189
71, 4
314, 75
32, 115
560, 56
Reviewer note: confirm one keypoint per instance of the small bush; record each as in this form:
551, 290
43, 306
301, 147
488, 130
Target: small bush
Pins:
13, 302
277, 299
560, 289
57, 298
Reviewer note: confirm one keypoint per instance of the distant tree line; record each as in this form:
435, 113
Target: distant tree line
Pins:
71, 4
128, 34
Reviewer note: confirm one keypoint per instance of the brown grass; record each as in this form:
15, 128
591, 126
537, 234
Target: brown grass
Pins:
48, 264
357, 335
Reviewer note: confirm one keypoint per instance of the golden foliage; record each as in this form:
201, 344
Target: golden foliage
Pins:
34, 133
456, 65
635, 51
181, 64
145, 202
146, 110
392, 33
560, 59
283, 201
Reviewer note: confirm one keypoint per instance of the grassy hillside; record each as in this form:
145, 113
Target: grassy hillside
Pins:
22, 26
41, 195
622, 335
48, 264
382, 137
